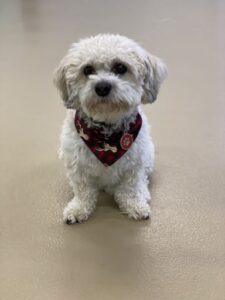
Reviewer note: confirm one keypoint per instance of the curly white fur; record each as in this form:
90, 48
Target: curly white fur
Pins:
127, 179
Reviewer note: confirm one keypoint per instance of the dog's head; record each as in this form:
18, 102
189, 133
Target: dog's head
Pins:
107, 76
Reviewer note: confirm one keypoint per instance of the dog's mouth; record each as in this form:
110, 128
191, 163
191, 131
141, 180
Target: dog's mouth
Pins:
103, 100
107, 105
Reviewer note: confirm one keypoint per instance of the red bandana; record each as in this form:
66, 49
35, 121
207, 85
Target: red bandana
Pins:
108, 149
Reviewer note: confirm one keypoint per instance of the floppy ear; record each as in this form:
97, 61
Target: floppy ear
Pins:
154, 75
65, 84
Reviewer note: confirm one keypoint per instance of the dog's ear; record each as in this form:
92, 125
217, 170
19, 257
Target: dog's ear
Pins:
65, 83
154, 74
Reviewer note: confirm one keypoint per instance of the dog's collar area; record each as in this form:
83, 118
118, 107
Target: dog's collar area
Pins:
100, 124
92, 123
108, 148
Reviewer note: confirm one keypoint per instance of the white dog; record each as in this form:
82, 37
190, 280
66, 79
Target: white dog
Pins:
105, 141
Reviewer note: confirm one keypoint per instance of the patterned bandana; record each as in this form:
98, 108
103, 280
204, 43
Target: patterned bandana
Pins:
108, 148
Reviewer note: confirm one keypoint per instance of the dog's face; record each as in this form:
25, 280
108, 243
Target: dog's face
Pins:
108, 76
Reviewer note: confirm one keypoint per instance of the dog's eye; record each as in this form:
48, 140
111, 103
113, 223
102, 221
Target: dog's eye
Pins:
119, 69
89, 70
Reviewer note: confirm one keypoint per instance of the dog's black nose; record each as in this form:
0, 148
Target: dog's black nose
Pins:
103, 88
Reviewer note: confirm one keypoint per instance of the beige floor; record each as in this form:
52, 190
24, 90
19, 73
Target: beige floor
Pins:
180, 254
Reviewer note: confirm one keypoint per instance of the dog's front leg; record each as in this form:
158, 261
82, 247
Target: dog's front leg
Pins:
82, 204
133, 196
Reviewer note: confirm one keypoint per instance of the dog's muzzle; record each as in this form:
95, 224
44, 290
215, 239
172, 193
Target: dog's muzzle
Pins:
103, 88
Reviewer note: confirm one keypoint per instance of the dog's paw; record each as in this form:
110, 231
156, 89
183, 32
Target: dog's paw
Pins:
137, 211
75, 212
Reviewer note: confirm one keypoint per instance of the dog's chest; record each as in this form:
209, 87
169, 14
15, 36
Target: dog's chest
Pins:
96, 170
80, 160
106, 144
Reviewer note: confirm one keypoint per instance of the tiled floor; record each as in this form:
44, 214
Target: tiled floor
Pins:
180, 254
